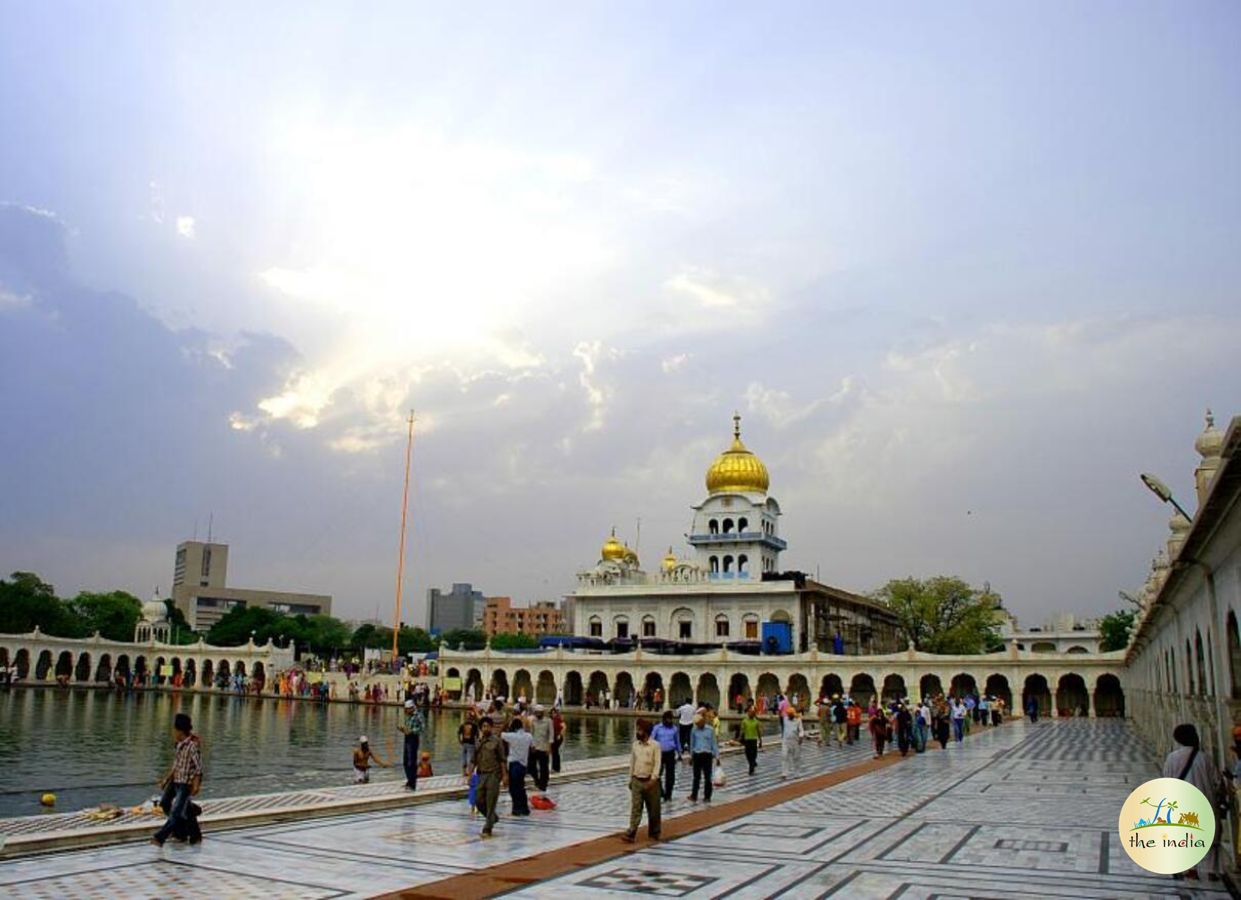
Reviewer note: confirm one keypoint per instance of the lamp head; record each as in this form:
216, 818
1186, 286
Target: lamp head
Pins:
1157, 487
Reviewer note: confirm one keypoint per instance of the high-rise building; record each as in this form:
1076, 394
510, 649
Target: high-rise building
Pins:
501, 617
462, 607
200, 591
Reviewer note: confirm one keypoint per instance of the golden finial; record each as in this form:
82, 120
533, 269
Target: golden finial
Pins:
736, 425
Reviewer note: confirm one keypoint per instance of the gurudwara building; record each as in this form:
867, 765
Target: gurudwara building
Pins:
731, 588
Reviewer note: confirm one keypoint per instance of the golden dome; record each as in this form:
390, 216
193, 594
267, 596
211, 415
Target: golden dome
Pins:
613, 550
631, 557
670, 561
737, 470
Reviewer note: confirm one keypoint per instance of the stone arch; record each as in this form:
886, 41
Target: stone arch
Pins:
1189, 667
1077, 649
650, 628
499, 684
21, 660
1234, 655
1036, 686
597, 685
862, 688
122, 667
1043, 647
653, 682
832, 686
727, 527
191, 672
894, 688
738, 685
474, 684
239, 668
223, 673
799, 685
208, 674
82, 671
4, 657
1109, 697
259, 673
596, 627
140, 669
545, 689
930, 685
523, 685
768, 685
997, 686
781, 615
44, 665
176, 668
680, 689
573, 689
622, 689
64, 664
1200, 659
708, 690
103, 672
1071, 695
963, 683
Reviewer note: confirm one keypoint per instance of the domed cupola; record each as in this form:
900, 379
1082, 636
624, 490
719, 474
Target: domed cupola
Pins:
1210, 444
613, 550
737, 470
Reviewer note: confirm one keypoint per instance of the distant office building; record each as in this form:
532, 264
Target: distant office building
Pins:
200, 591
462, 607
501, 617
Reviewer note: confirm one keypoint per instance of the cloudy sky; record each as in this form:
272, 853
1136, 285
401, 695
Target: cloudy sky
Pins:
964, 270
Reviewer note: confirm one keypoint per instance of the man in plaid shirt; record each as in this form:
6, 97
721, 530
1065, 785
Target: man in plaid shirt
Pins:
187, 764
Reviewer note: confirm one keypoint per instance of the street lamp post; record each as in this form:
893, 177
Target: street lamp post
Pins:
1163, 492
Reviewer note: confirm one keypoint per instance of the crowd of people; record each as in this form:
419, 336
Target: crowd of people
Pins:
502, 745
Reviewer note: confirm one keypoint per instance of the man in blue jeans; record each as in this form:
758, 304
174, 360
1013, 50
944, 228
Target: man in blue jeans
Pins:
668, 736
187, 766
412, 729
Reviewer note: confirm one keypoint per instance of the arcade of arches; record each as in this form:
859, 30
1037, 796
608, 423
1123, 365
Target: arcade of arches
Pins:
1076, 685
42, 658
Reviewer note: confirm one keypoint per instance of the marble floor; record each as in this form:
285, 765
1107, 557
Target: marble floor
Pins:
1021, 811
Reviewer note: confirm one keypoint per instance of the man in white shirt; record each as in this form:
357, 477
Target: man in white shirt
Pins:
685, 723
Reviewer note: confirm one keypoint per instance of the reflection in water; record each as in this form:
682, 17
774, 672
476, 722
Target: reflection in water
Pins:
89, 746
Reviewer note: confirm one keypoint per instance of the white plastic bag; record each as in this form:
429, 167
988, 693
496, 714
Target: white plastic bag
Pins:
717, 778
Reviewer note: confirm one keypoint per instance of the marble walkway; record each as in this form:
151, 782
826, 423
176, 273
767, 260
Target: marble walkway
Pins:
1021, 811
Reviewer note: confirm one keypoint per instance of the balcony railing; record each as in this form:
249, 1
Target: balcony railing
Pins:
739, 537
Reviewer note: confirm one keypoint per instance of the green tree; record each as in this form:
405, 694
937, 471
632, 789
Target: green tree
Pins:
1116, 628
513, 642
181, 631
469, 638
113, 615
235, 626
942, 614
327, 634
28, 602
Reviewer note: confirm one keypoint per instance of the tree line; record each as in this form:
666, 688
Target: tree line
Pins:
28, 602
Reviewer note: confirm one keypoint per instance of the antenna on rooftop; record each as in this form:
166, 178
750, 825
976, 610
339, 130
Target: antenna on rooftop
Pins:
210, 522
637, 542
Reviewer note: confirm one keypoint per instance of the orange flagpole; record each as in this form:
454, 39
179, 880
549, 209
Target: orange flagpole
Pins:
400, 563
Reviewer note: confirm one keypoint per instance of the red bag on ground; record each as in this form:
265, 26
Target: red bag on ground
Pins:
542, 801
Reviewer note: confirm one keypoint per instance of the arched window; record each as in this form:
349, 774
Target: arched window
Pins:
743, 524
728, 526
750, 623
714, 526
648, 626
1172, 668
715, 565
621, 624
1189, 666
742, 562
596, 627
683, 624
728, 564
721, 626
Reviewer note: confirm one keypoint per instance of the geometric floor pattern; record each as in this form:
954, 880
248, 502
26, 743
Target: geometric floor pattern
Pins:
1022, 811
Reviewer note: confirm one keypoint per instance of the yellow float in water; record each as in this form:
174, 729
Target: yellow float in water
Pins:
48, 799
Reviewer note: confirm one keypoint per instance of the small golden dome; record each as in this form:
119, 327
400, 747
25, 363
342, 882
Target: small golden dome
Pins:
613, 550
737, 470
631, 557
670, 561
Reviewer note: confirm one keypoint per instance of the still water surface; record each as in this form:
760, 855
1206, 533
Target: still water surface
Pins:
90, 747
